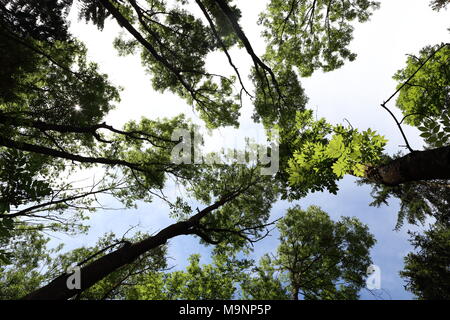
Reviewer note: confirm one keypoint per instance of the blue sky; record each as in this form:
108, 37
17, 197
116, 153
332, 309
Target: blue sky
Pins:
353, 92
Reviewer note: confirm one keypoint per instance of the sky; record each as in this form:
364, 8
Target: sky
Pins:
353, 92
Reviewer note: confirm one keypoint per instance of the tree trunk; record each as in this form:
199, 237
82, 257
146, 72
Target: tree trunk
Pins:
99, 269
416, 166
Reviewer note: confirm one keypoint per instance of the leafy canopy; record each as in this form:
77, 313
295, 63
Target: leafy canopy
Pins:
312, 34
425, 100
325, 153
317, 258
427, 271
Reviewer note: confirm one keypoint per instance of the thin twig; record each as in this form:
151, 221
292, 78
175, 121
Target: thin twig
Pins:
400, 88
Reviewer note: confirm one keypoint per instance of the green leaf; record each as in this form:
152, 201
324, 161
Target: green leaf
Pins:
335, 147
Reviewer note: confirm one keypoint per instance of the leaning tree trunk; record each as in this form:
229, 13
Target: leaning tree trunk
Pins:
415, 166
102, 267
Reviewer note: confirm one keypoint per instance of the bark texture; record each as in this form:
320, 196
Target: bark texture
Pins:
416, 166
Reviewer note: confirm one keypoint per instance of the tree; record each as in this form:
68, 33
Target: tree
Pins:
216, 281
31, 265
20, 268
265, 282
439, 4
165, 35
238, 216
329, 251
312, 35
424, 96
419, 179
36, 129
425, 99
117, 285
418, 201
326, 153
43, 134
40, 97
317, 258
427, 270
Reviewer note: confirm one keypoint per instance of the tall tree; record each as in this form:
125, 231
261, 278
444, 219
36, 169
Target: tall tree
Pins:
427, 271
54, 102
326, 153
216, 281
31, 265
241, 202
315, 262
32, 125
317, 258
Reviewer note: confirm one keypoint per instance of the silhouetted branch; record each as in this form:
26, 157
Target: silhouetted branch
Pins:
401, 87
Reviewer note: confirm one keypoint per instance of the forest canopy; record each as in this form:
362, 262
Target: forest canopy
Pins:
54, 108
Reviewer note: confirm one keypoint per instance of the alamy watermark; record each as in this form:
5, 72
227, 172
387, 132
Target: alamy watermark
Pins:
188, 151
373, 281
74, 280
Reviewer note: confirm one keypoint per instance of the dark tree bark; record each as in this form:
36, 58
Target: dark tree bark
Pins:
415, 166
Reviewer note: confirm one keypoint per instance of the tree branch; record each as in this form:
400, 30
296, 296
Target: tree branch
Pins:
102, 267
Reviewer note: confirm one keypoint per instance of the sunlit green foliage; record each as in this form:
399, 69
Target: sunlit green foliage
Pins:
325, 153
